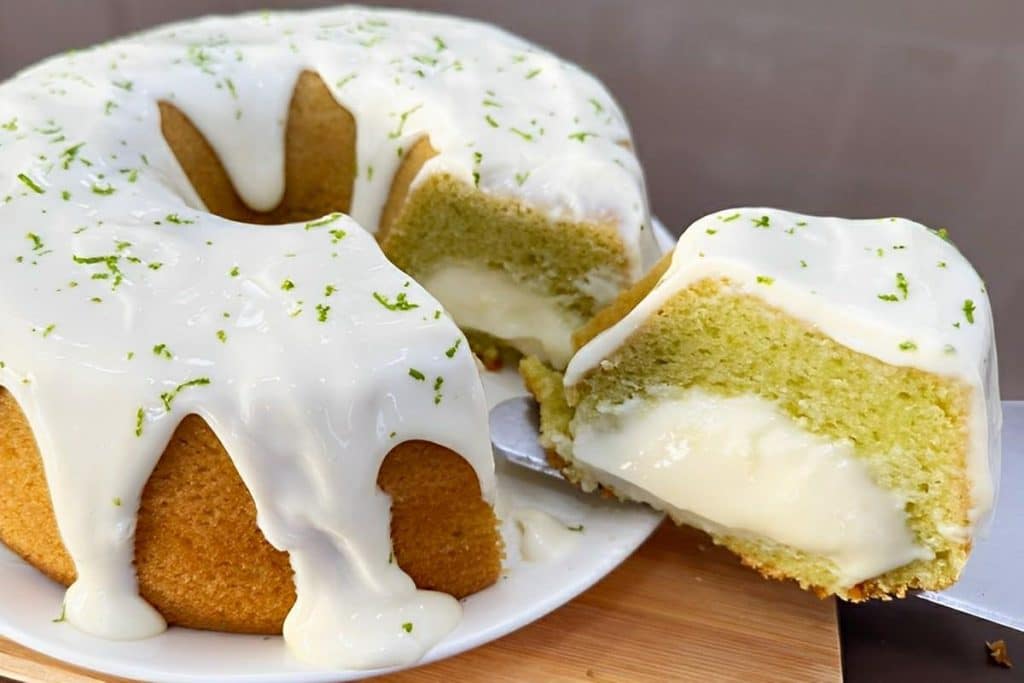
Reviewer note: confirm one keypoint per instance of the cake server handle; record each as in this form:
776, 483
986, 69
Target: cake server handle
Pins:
515, 429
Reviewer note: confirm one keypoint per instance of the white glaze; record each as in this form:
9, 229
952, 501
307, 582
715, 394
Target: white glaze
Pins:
741, 466
305, 407
501, 112
843, 277
490, 300
543, 537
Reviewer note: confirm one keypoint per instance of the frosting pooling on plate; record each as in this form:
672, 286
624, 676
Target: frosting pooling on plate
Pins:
888, 288
126, 306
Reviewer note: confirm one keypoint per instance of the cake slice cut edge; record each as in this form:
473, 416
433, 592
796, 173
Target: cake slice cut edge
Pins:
907, 431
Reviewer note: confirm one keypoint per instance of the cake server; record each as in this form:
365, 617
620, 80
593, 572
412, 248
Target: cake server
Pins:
989, 585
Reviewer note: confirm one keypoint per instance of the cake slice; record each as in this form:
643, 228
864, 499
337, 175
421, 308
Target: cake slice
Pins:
818, 394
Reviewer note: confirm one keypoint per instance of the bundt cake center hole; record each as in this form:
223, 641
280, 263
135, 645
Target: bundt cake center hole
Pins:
319, 159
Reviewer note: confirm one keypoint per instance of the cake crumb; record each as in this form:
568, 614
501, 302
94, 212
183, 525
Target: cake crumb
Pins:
998, 653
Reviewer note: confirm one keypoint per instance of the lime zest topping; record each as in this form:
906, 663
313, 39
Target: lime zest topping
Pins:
730, 217
532, 74
417, 375
168, 396
48, 330
37, 241
710, 231
762, 222
577, 528
117, 501
901, 284
407, 627
68, 156
490, 121
438, 383
888, 297
31, 184
222, 336
521, 133
440, 44
598, 108
234, 272
111, 262
103, 190
402, 118
582, 135
400, 303
968, 310
287, 285
908, 346
337, 234
322, 311
453, 348
178, 220
326, 220
123, 85
162, 351
765, 280
521, 178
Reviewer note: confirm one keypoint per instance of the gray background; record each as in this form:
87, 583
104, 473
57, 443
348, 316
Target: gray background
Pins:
856, 108
870, 108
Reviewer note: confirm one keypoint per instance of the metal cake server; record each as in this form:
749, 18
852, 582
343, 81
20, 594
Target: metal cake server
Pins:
989, 586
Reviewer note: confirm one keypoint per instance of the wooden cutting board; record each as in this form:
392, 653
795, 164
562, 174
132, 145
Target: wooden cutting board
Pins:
680, 609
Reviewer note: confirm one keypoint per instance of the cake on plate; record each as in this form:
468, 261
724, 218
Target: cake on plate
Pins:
818, 394
222, 405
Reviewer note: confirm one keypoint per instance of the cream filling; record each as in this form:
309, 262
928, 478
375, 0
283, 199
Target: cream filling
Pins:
740, 466
492, 301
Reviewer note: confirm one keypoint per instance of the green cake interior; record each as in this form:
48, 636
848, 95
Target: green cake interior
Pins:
907, 426
578, 266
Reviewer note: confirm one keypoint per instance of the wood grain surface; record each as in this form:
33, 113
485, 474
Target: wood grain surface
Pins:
678, 610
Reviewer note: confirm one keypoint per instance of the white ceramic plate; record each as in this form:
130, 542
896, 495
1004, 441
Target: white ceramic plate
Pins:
29, 602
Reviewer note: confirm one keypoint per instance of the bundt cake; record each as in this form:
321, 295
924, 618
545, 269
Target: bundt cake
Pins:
221, 405
818, 394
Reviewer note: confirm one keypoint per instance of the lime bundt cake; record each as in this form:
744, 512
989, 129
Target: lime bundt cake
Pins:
818, 394
255, 428
499, 176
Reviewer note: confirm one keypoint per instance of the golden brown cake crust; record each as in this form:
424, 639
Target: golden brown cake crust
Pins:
200, 558
625, 302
